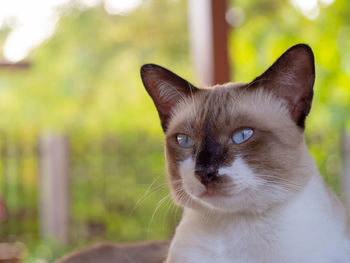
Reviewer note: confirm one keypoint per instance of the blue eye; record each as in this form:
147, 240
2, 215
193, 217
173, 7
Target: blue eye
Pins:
242, 135
184, 141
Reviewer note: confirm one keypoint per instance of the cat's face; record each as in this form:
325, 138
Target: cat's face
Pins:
236, 147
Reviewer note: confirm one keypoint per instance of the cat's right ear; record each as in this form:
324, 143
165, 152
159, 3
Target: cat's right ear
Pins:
166, 90
291, 78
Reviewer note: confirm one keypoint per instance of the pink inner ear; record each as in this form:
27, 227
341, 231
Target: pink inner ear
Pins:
291, 78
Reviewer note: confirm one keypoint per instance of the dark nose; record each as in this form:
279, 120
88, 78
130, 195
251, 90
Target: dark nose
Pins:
206, 175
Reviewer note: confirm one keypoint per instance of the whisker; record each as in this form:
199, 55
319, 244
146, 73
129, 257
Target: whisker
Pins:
146, 194
169, 205
160, 202
150, 191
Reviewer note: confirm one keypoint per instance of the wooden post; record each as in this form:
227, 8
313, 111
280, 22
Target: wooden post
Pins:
54, 183
209, 36
17, 65
345, 146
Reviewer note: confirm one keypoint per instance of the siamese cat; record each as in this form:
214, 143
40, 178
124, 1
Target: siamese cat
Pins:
238, 164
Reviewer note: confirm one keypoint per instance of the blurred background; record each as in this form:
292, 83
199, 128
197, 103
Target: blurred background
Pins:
81, 148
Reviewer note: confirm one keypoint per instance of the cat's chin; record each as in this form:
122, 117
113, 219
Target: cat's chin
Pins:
212, 194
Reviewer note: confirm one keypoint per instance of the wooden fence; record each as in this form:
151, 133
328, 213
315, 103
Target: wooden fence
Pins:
74, 190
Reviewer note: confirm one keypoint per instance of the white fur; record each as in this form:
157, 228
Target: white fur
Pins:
241, 175
190, 183
304, 229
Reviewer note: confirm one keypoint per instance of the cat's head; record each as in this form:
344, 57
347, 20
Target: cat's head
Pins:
236, 147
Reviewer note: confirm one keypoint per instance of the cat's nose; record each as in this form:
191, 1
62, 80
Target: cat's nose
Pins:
206, 175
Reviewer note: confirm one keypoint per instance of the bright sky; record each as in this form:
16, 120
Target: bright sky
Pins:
310, 8
33, 21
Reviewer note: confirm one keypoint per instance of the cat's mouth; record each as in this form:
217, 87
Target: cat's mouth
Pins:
212, 193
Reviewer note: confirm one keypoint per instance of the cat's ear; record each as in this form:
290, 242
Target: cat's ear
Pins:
292, 78
166, 89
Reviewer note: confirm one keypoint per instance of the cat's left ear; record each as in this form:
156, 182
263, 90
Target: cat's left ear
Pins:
292, 78
166, 90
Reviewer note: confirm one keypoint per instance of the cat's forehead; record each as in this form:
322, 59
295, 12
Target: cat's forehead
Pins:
211, 104
229, 105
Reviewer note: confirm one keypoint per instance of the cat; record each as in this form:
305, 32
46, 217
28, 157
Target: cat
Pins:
142, 252
238, 165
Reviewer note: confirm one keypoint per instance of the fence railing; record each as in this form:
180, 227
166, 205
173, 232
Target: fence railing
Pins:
73, 189
18, 186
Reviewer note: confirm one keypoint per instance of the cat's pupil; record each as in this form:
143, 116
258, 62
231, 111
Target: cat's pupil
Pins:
242, 136
245, 134
184, 141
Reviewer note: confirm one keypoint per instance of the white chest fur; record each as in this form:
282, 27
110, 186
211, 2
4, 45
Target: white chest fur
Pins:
307, 229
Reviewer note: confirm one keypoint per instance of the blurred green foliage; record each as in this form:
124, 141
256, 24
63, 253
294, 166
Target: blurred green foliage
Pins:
84, 82
86, 77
